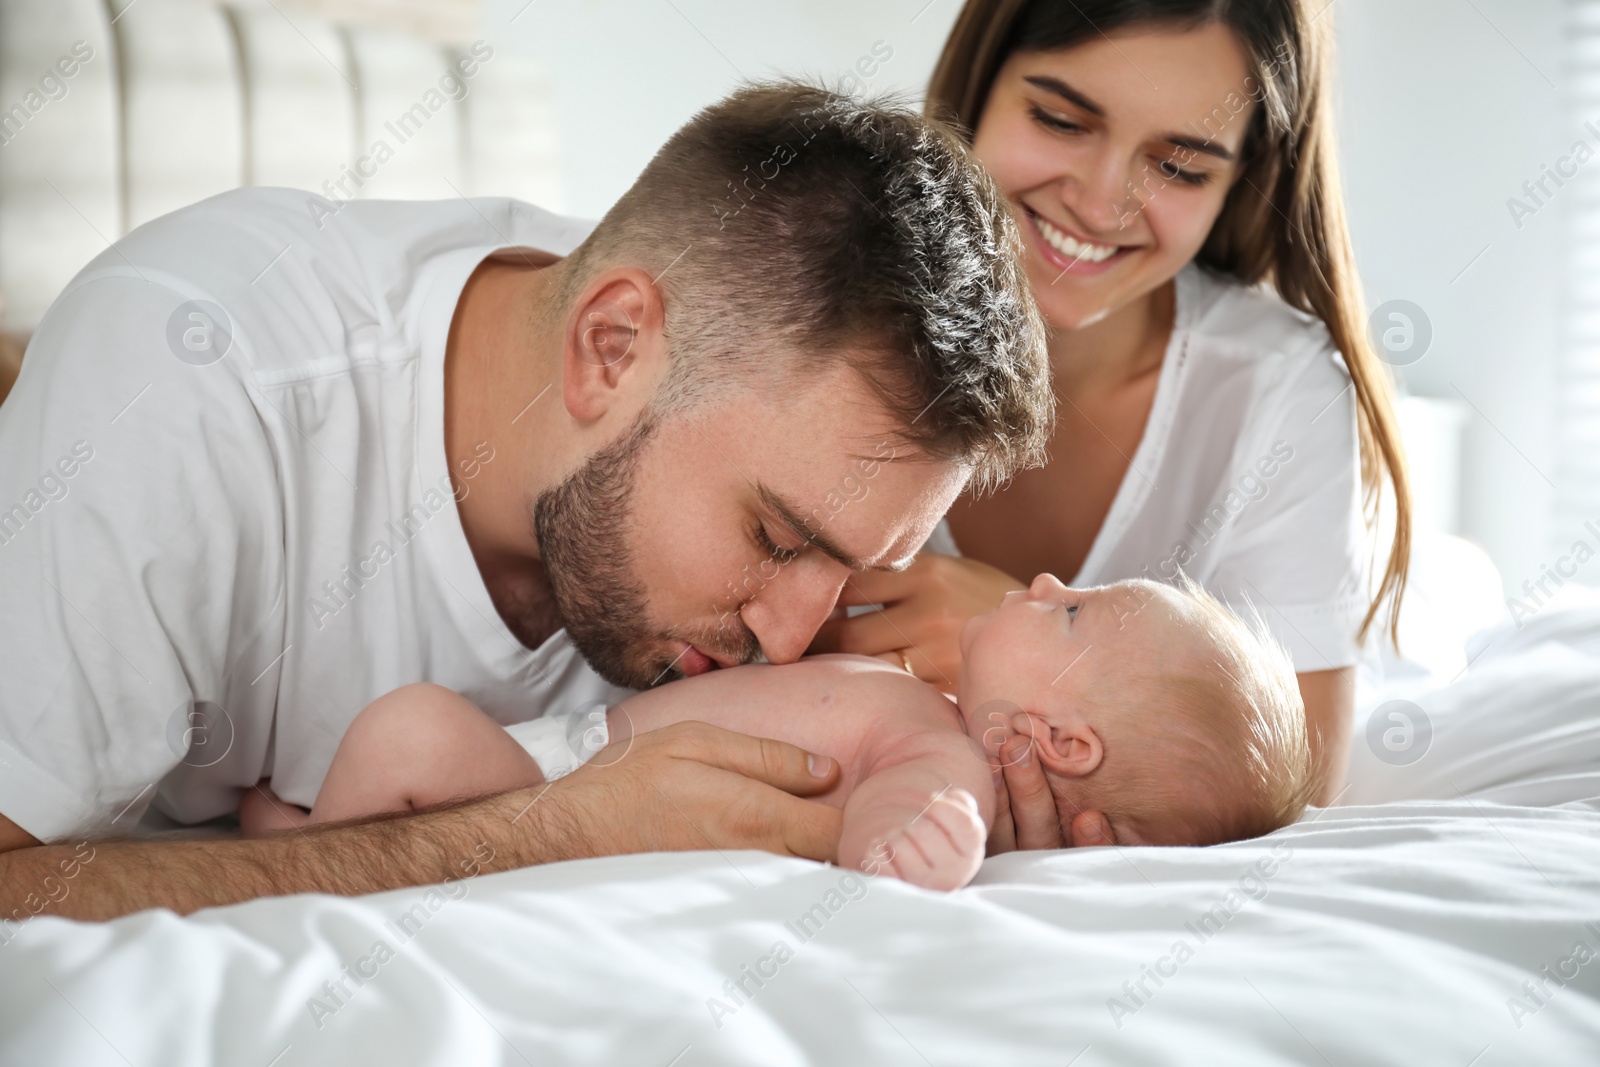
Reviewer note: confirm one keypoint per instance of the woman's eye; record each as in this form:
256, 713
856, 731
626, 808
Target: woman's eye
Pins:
1172, 172
1052, 121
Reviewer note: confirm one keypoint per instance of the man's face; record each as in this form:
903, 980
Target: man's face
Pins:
697, 540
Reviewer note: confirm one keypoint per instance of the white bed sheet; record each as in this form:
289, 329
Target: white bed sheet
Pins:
1393, 935
1402, 933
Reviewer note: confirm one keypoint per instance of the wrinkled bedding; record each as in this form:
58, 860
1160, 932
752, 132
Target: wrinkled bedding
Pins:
1447, 913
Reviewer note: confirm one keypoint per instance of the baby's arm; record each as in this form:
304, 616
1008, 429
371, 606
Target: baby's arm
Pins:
923, 808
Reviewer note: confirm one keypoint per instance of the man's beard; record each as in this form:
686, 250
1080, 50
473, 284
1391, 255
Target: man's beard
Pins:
582, 526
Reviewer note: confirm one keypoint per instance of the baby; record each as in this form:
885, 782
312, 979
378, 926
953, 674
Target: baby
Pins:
1157, 717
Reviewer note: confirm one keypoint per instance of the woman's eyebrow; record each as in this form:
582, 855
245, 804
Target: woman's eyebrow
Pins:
1060, 88
1066, 92
1210, 148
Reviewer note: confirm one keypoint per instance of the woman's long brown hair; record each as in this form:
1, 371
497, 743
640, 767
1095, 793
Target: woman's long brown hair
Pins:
1283, 220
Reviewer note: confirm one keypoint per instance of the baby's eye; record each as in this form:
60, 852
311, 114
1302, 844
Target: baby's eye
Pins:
1072, 611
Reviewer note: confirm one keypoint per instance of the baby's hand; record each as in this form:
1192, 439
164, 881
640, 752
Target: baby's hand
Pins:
941, 848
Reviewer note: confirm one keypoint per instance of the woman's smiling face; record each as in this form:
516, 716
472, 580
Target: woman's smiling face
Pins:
1116, 156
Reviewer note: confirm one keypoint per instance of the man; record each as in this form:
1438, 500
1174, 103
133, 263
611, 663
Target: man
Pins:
275, 457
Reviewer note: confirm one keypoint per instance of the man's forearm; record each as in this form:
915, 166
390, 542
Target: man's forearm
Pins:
685, 786
493, 833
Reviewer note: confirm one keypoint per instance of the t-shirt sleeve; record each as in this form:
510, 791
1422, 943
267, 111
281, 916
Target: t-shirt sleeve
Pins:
1296, 551
140, 555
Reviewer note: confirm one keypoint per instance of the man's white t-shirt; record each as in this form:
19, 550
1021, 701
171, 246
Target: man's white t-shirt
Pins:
209, 566
1248, 475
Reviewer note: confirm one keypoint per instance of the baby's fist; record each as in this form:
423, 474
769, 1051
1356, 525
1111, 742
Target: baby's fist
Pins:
941, 848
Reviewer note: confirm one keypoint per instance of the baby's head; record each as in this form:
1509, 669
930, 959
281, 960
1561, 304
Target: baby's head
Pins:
1158, 716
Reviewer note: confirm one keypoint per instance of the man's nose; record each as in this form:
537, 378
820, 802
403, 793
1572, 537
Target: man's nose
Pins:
786, 614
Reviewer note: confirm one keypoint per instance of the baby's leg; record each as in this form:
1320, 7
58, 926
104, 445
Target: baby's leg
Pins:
416, 747
261, 811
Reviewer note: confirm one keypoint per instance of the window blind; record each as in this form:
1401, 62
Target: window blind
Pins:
1577, 516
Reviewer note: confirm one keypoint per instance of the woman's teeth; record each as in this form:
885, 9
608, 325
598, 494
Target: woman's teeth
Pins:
1070, 246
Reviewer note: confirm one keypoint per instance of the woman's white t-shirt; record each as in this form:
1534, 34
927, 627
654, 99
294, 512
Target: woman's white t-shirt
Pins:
1248, 475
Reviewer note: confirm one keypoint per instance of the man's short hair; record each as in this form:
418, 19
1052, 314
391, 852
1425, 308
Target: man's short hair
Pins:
791, 227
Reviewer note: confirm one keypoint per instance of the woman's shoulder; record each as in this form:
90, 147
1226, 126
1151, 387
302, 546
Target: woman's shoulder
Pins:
1223, 318
1278, 364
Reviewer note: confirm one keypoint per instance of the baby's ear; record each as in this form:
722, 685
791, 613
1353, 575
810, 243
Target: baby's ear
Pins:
1073, 750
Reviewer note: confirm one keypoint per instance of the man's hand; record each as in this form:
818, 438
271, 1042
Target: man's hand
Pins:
925, 607
1027, 816
696, 786
688, 786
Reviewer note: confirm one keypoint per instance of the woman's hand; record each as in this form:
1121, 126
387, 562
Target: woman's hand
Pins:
925, 607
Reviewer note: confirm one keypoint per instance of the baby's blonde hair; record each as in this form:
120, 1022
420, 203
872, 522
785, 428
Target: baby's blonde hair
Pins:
1211, 747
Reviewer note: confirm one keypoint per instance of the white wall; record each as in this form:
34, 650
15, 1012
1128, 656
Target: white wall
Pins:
629, 72
1442, 120
1445, 112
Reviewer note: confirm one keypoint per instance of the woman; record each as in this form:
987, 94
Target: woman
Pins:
1163, 158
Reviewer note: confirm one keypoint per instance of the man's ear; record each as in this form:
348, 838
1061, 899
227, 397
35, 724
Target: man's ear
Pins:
614, 348
1070, 748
